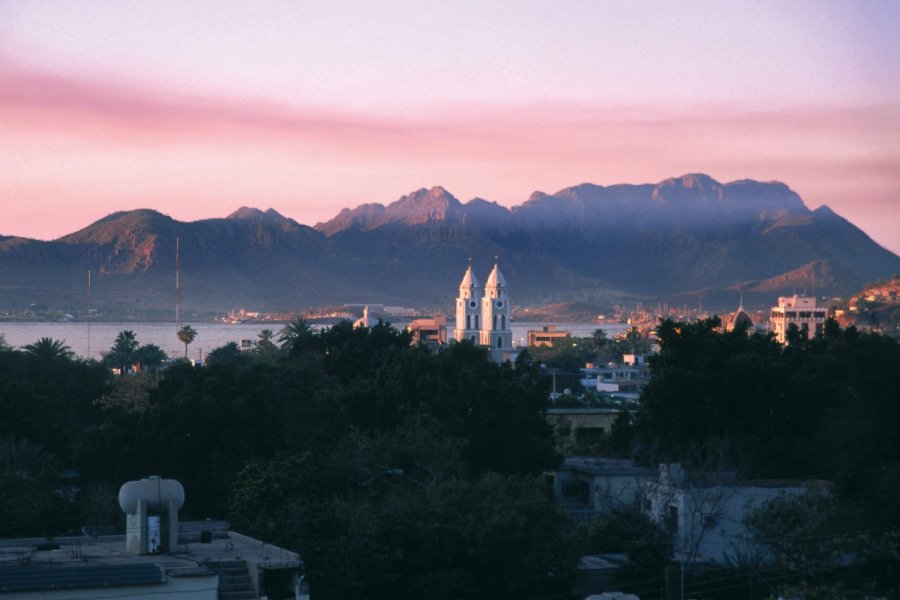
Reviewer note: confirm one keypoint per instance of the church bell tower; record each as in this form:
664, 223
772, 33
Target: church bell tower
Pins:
495, 328
468, 309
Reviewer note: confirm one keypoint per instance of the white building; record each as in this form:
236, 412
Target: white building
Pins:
705, 512
482, 314
589, 485
800, 311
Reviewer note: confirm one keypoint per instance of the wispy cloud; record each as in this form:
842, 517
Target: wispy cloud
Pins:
328, 157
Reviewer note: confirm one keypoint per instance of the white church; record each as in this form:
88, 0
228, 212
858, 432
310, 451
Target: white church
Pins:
482, 314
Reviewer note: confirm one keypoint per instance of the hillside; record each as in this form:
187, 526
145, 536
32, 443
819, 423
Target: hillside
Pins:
684, 239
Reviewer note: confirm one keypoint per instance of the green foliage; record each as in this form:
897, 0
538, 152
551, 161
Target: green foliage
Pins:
630, 532
394, 514
799, 532
126, 351
824, 409
47, 351
186, 335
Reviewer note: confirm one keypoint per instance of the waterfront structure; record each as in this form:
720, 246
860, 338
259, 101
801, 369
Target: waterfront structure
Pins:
547, 335
800, 311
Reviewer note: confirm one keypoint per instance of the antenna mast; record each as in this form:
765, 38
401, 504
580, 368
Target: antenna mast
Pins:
89, 302
177, 283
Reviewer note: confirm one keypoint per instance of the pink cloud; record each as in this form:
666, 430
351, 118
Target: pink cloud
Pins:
105, 143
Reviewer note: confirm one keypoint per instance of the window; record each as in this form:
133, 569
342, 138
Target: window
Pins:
499, 342
503, 322
468, 321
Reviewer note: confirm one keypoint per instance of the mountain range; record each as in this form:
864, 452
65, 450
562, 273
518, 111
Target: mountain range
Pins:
682, 240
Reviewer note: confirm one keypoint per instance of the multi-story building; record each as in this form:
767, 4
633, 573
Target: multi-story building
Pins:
482, 314
547, 335
800, 311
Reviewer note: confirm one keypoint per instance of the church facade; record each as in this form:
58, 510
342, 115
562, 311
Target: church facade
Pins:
482, 313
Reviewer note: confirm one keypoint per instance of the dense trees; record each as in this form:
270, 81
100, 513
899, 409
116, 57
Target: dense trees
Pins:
825, 408
399, 472
395, 471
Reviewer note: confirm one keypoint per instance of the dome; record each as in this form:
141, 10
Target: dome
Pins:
366, 320
495, 279
469, 280
740, 318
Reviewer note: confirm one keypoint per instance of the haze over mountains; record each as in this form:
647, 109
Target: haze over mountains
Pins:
679, 240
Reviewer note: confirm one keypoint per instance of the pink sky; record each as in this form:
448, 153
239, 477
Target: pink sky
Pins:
195, 110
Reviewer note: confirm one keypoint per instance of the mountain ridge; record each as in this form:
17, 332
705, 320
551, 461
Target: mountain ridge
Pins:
683, 236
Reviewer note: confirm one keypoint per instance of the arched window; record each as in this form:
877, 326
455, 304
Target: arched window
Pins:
468, 321
473, 339
476, 322
499, 342
495, 322
503, 322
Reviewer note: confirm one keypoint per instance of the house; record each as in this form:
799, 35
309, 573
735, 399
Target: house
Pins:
577, 426
586, 486
626, 380
705, 511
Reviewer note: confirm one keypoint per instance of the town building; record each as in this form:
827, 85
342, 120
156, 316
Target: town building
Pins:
704, 511
737, 319
158, 558
587, 486
430, 332
546, 336
800, 311
482, 314
625, 380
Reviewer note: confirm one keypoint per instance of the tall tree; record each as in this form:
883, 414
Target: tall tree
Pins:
297, 336
122, 354
187, 334
47, 350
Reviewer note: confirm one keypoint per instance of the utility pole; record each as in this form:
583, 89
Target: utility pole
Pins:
177, 283
89, 302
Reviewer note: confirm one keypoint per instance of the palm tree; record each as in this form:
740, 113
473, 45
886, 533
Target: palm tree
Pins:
48, 350
123, 352
296, 335
633, 336
600, 339
187, 334
150, 356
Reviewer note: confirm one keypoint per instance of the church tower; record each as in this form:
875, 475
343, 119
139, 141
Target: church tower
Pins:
495, 327
468, 309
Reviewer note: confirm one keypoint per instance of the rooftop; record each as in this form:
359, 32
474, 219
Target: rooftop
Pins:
101, 561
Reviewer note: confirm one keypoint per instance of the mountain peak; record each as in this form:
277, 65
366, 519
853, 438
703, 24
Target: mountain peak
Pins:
254, 214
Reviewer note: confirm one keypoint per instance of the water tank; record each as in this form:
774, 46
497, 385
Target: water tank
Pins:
156, 492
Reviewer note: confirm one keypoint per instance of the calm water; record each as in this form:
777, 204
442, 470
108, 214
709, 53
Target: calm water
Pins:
209, 335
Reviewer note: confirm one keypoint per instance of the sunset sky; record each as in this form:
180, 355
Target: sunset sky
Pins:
197, 108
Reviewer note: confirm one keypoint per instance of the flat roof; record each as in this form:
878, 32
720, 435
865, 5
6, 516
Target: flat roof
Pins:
84, 561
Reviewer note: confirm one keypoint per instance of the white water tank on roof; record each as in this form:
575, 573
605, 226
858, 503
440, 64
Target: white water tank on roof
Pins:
156, 492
